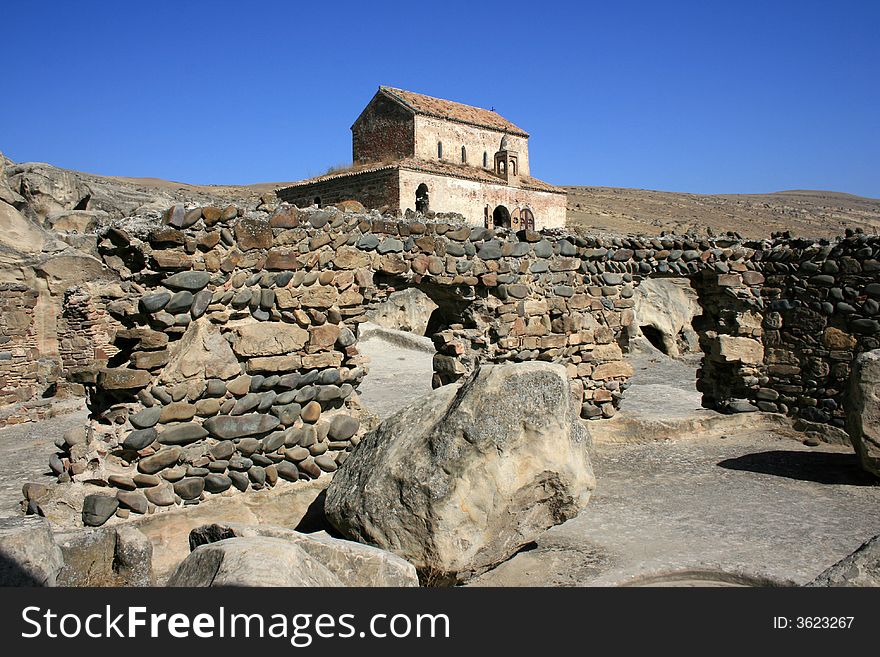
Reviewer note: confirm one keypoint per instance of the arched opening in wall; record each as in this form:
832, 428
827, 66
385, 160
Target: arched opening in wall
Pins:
404, 327
318, 201
463, 155
501, 217
526, 219
662, 345
439, 150
422, 203
485, 160
513, 167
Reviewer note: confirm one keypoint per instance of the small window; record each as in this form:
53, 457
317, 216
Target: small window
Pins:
318, 201
485, 160
439, 150
513, 167
463, 155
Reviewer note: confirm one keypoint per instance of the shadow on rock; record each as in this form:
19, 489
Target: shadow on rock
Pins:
819, 467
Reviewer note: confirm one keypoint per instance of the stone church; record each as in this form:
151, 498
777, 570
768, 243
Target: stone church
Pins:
415, 152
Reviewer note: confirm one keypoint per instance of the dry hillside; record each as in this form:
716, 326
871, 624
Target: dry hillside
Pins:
805, 213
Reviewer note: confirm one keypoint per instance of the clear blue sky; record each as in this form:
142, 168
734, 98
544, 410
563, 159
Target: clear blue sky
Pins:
706, 97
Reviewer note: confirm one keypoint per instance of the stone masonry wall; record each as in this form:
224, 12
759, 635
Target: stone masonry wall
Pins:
378, 189
477, 200
429, 130
18, 346
238, 366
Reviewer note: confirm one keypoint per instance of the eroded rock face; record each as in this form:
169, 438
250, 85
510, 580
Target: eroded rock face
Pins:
669, 306
30, 556
861, 568
863, 410
252, 561
407, 310
462, 478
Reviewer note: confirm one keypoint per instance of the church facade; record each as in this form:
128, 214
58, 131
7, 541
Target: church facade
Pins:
415, 152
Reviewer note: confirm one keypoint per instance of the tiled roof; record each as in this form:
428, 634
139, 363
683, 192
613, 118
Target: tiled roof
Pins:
438, 167
479, 174
449, 110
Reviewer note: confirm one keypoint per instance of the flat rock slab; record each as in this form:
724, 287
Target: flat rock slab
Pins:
24, 452
398, 374
753, 508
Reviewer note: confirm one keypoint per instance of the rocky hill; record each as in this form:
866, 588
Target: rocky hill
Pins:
806, 213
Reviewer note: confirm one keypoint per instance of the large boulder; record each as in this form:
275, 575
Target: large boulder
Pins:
407, 310
354, 564
252, 561
29, 555
863, 410
861, 568
462, 478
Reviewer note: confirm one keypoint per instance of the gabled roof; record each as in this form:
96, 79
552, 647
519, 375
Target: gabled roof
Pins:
451, 111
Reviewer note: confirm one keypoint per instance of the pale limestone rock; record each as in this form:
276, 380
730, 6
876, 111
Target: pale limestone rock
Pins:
202, 353
863, 410
30, 555
252, 561
268, 339
735, 349
407, 310
353, 563
462, 478
669, 306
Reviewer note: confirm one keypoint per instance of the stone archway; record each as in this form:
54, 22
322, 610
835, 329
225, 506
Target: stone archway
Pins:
501, 217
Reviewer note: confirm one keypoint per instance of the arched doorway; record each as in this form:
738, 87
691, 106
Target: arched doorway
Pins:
526, 219
422, 198
501, 217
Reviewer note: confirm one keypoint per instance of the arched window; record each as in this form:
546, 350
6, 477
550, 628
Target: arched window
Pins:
439, 150
463, 155
318, 201
485, 160
501, 167
513, 167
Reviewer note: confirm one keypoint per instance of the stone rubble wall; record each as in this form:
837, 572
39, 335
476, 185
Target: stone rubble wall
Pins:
236, 363
18, 343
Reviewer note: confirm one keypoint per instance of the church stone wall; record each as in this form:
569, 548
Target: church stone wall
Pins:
470, 198
375, 189
453, 135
